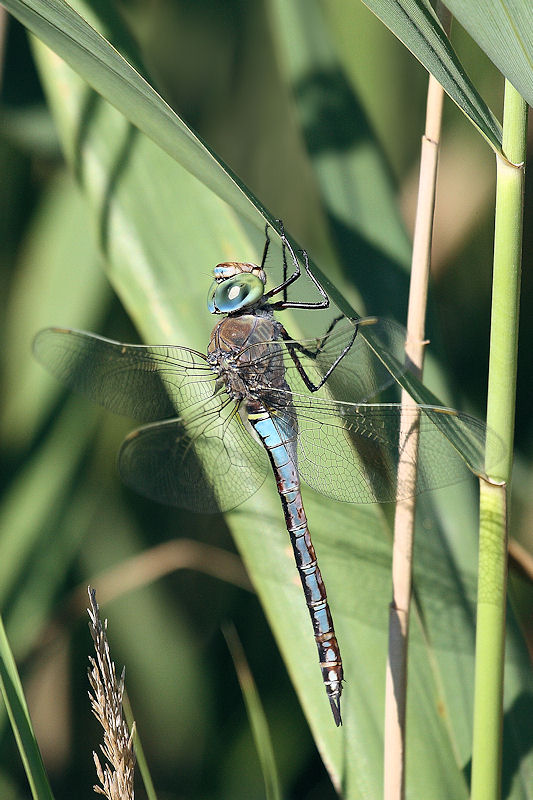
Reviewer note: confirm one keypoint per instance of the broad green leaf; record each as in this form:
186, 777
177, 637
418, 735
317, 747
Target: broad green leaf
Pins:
44, 479
415, 23
504, 30
348, 163
56, 281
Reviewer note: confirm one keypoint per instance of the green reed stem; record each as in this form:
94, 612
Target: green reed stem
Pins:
492, 571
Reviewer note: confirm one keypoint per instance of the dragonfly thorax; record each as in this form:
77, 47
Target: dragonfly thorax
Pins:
245, 354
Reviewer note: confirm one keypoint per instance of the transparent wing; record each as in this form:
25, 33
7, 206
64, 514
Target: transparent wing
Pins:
361, 374
139, 381
212, 465
351, 452
358, 377
348, 451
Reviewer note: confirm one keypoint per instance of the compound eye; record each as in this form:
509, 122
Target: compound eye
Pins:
233, 294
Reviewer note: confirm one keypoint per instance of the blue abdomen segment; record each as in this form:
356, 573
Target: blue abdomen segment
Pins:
278, 436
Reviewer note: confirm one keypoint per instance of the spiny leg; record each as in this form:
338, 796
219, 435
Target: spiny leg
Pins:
295, 275
281, 304
265, 248
292, 346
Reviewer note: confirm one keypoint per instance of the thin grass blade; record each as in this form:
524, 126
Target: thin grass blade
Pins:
256, 714
17, 709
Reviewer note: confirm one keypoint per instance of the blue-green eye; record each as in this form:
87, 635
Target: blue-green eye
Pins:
235, 293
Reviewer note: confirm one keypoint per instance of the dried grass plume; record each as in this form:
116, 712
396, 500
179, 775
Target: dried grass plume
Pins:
116, 777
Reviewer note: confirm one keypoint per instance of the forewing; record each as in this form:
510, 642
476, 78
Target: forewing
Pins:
358, 377
141, 381
211, 465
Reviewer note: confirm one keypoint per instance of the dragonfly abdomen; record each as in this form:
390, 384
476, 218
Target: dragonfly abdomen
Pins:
279, 440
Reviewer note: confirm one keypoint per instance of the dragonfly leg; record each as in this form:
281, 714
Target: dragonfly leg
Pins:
283, 285
265, 248
281, 304
285, 266
320, 342
292, 346
296, 273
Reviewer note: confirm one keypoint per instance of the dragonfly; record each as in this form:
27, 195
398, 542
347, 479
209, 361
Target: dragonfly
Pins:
260, 400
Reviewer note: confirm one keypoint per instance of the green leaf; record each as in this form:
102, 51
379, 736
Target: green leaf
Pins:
17, 709
343, 149
415, 23
56, 281
504, 31
348, 164
44, 479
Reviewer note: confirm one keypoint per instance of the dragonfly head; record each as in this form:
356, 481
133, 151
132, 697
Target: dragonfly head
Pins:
236, 286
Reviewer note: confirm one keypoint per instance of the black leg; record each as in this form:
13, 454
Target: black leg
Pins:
292, 346
265, 248
284, 256
321, 342
280, 305
285, 267
295, 275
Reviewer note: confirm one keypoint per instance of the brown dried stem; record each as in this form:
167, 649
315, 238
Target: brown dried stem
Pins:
402, 557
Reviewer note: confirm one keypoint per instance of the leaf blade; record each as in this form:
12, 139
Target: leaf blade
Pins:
415, 23
503, 31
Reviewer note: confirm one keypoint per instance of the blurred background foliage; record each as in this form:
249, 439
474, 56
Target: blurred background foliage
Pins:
68, 517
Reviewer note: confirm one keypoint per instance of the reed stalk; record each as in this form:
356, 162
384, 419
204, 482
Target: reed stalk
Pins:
493, 525
404, 521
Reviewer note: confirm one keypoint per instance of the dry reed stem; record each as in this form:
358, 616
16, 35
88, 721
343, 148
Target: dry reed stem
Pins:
117, 774
402, 556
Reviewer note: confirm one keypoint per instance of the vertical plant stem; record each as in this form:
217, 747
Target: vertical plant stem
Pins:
404, 521
492, 571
